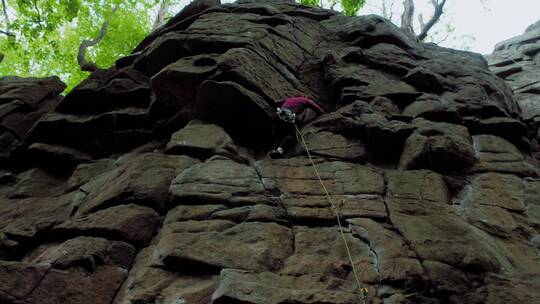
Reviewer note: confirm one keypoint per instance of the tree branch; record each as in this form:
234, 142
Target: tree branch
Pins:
160, 17
10, 34
391, 10
334, 2
4, 8
443, 39
38, 14
436, 16
85, 44
407, 16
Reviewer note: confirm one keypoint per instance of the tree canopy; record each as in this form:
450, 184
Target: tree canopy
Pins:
350, 7
69, 38
42, 37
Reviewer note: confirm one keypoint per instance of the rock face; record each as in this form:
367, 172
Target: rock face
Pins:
22, 102
517, 61
149, 182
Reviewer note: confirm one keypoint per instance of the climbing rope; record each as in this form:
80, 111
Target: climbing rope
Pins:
363, 290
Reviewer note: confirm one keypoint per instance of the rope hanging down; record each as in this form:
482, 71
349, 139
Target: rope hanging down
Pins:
363, 290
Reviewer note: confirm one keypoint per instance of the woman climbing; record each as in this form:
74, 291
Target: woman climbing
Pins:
292, 110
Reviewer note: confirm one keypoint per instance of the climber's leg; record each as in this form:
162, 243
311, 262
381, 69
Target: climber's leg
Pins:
283, 139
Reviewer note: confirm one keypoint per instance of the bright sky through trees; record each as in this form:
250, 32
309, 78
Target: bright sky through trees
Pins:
488, 23
42, 37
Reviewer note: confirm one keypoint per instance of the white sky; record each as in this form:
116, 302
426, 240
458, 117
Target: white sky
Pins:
487, 21
502, 20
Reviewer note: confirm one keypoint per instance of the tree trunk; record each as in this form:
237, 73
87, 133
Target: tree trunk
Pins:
6, 17
162, 11
85, 44
438, 6
407, 17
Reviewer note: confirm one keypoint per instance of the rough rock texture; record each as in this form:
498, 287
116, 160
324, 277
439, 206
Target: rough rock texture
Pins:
22, 102
517, 61
149, 182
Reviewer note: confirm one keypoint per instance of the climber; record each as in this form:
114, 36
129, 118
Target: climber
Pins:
292, 110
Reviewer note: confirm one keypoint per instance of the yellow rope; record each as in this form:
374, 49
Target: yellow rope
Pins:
363, 290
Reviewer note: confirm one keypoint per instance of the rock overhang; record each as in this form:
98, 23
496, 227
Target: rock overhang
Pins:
165, 191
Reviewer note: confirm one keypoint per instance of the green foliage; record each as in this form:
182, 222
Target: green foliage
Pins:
351, 7
310, 2
48, 34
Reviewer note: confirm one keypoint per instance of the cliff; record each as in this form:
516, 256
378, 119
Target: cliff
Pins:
150, 181
517, 61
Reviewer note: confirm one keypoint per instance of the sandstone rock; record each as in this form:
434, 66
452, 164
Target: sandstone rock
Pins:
131, 223
446, 277
218, 97
29, 90
190, 212
266, 287
386, 55
385, 137
22, 102
83, 251
175, 88
499, 190
321, 251
171, 46
498, 155
509, 128
98, 135
355, 189
441, 147
530, 35
424, 79
363, 33
19, 279
147, 283
432, 108
29, 216
202, 141
332, 145
532, 201
418, 205
77, 286
249, 246
248, 68
107, 90
520, 55
20, 122
231, 225
83, 173
385, 106
197, 226
144, 180
394, 260
257, 213
55, 157
189, 11
218, 180
37, 183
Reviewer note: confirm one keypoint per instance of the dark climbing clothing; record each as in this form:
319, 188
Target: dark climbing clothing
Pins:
299, 103
284, 132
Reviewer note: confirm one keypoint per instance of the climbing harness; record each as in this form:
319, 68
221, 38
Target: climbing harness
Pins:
286, 114
363, 290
